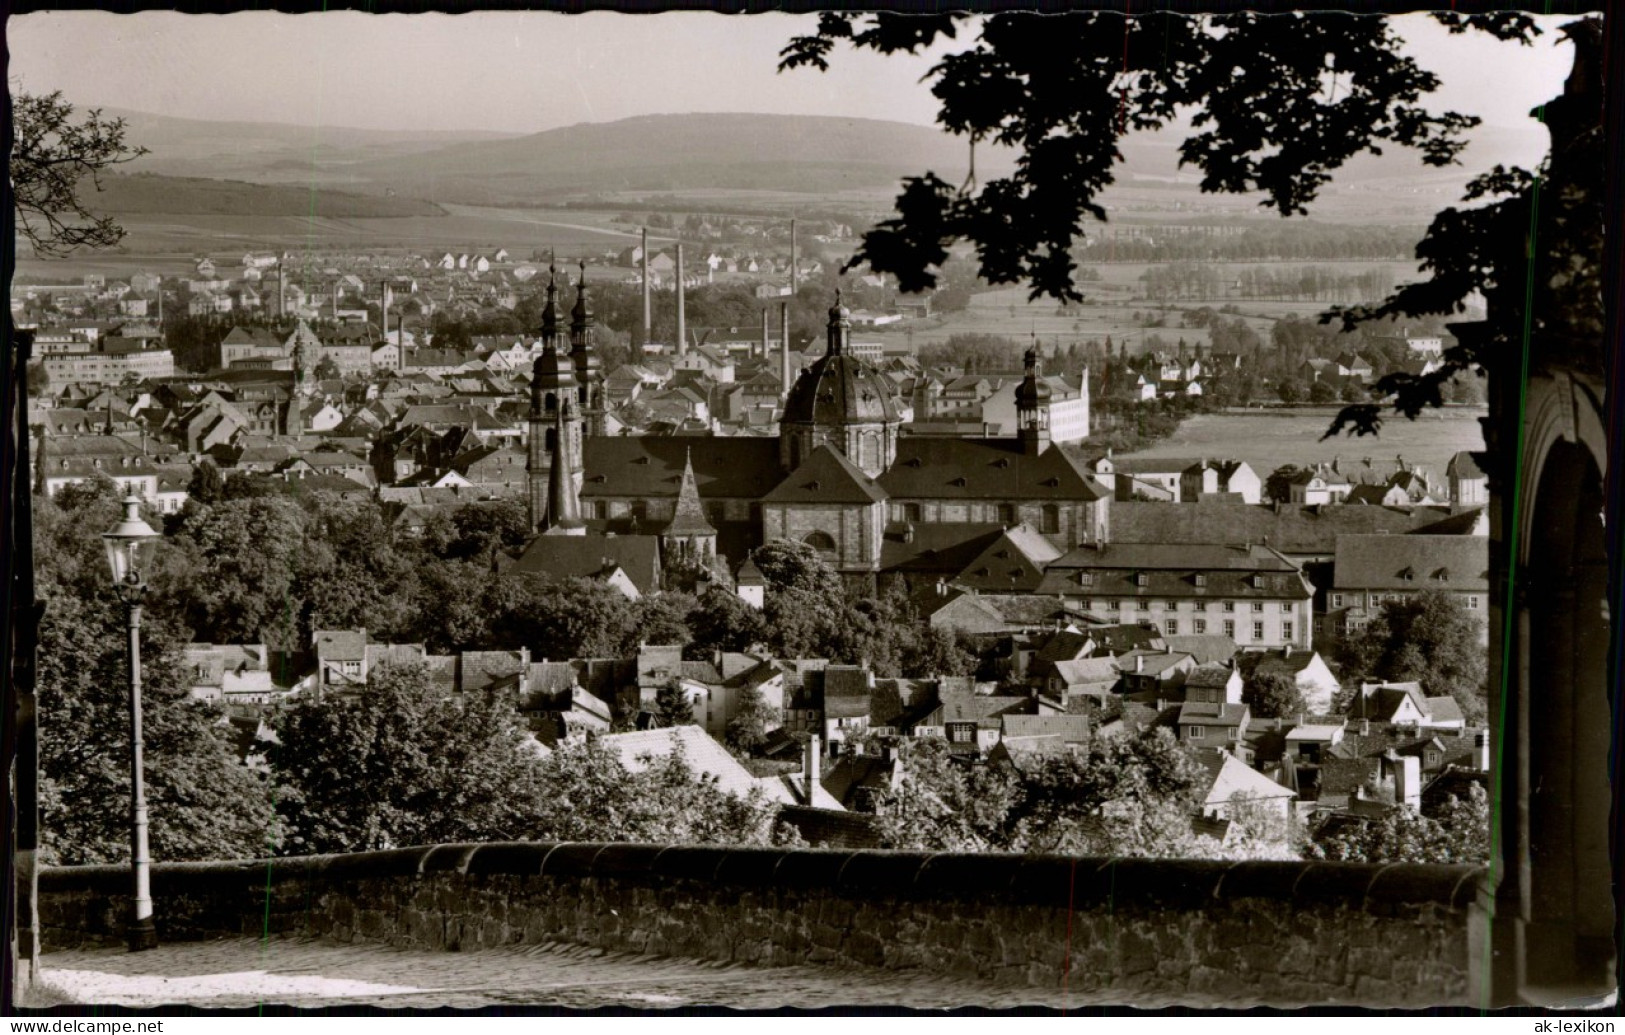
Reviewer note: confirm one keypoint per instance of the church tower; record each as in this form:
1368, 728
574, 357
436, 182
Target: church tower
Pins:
842, 402
304, 349
589, 369
554, 412
1033, 408
563, 498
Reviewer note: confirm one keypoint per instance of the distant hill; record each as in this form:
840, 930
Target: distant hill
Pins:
147, 193
685, 152
270, 150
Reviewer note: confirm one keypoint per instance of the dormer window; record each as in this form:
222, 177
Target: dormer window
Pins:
1086, 578
1408, 574
1141, 579
1201, 579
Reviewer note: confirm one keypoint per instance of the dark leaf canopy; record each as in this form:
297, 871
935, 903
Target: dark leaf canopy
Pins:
1278, 103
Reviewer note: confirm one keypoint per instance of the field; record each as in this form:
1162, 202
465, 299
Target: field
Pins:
1268, 439
169, 244
1111, 308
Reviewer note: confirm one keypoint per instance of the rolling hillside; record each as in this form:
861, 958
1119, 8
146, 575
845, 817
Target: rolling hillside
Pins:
147, 194
812, 154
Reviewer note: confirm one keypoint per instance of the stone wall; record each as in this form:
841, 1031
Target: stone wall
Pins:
1281, 933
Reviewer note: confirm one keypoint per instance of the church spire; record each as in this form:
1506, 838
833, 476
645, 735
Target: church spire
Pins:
840, 325
690, 534
550, 308
589, 369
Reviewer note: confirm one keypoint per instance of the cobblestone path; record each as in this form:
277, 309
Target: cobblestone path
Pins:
239, 973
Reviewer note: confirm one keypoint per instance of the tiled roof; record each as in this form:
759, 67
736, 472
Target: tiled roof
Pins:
1102, 670
984, 469
651, 467
826, 476
1065, 645
1205, 648
341, 644
1071, 729
592, 555
1290, 529
825, 828
1213, 675
1202, 714
702, 753
1013, 562
936, 549
1231, 776
1412, 562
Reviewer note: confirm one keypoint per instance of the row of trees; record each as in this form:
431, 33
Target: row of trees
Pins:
1282, 242
1136, 797
245, 562
1199, 280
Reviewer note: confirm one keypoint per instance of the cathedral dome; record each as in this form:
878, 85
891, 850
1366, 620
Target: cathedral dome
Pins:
840, 389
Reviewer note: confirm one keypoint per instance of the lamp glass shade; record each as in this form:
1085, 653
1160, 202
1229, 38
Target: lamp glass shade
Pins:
130, 544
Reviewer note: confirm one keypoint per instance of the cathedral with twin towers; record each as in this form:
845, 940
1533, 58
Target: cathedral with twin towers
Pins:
840, 476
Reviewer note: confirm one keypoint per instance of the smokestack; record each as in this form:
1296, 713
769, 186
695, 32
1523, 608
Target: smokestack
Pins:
281, 293
1481, 748
792, 258
784, 348
682, 317
648, 314
765, 332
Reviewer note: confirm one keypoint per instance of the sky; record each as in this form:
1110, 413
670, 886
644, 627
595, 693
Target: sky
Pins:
524, 72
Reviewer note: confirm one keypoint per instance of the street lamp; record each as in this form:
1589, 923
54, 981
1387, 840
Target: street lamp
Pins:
130, 548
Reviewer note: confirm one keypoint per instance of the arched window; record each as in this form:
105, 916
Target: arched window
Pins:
870, 452
821, 542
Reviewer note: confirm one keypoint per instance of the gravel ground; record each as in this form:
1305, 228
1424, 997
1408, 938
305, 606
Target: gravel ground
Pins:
240, 973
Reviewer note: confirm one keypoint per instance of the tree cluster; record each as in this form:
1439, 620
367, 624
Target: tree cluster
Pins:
1430, 637
1122, 797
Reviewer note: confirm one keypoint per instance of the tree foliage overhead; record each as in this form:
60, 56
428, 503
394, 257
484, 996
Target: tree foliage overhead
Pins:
52, 155
1279, 102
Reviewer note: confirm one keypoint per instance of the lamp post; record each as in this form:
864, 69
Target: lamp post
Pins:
130, 547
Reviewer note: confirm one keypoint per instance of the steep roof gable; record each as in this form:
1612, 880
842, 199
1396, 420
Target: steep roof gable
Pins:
827, 476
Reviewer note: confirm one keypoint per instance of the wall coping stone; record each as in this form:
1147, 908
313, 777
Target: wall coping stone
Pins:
1056, 880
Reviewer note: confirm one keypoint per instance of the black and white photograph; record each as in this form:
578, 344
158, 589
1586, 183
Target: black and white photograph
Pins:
890, 511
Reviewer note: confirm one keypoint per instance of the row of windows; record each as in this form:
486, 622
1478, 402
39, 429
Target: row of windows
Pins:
1135, 604
1004, 513
1474, 601
1199, 626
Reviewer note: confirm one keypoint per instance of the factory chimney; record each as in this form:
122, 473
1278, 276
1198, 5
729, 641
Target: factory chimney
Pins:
648, 314
682, 315
793, 269
784, 349
765, 333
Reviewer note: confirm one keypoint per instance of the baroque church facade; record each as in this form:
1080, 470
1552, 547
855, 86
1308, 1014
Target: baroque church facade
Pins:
840, 476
